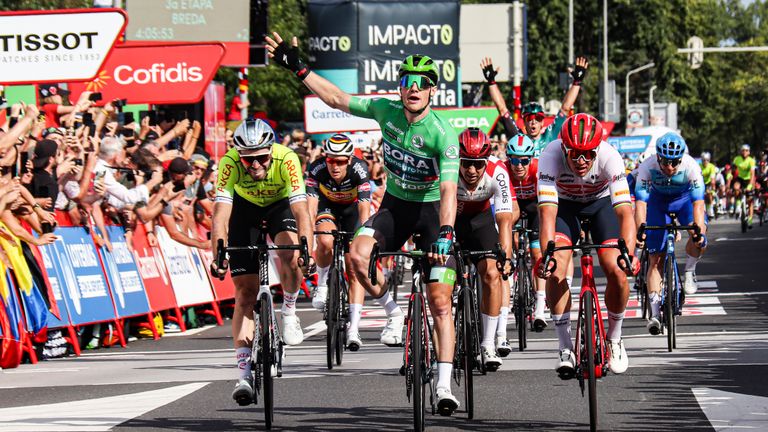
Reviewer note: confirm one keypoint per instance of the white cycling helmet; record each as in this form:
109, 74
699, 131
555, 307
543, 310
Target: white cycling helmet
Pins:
706, 156
253, 134
338, 145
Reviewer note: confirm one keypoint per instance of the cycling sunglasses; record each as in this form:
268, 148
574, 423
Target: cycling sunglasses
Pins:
421, 81
336, 161
577, 155
519, 161
262, 159
538, 117
477, 163
669, 162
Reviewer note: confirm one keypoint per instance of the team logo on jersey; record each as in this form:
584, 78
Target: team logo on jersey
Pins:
417, 141
452, 152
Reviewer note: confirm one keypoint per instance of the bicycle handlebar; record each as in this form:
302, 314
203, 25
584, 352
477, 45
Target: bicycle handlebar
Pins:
623, 260
302, 247
641, 235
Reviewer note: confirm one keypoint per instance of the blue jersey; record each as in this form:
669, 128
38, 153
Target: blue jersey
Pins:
687, 180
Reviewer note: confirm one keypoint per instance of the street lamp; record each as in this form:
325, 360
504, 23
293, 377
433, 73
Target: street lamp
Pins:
651, 105
626, 84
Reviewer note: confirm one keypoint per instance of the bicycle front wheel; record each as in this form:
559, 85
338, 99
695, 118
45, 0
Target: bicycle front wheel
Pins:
418, 362
467, 357
521, 306
670, 289
341, 333
588, 352
267, 360
331, 318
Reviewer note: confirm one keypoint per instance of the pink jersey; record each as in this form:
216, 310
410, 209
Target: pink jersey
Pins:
494, 185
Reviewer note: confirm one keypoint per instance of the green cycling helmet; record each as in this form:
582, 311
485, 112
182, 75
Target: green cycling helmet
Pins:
421, 65
532, 108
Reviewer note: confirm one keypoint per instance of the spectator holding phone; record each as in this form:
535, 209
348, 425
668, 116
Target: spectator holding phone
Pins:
111, 157
44, 186
56, 111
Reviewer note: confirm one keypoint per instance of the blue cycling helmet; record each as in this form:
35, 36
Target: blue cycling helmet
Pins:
520, 146
670, 146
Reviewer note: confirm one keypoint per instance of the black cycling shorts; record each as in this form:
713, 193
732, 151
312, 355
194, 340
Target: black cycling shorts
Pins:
604, 224
345, 216
245, 227
744, 183
531, 209
477, 232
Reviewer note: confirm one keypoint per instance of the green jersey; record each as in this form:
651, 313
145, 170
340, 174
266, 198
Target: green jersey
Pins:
708, 173
746, 167
549, 134
417, 156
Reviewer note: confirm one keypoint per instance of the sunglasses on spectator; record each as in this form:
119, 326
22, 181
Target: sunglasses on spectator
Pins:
669, 162
477, 163
519, 161
262, 159
421, 81
577, 155
337, 161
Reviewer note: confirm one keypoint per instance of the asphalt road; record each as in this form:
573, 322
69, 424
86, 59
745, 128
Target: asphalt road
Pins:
716, 379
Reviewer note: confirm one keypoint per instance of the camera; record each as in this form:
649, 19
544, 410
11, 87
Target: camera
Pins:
119, 103
78, 162
46, 227
94, 97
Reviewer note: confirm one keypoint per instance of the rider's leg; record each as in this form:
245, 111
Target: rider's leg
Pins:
439, 292
356, 299
653, 282
246, 289
491, 302
323, 259
559, 299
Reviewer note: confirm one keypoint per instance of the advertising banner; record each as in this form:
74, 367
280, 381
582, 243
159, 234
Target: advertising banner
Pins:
82, 278
630, 144
158, 74
54, 278
390, 31
123, 276
321, 118
58, 45
224, 289
215, 121
151, 266
333, 34
190, 284
462, 118
227, 21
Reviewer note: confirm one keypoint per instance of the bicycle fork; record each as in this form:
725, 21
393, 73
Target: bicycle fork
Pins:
588, 284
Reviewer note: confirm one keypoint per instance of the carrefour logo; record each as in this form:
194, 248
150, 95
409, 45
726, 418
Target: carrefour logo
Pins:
424, 34
330, 43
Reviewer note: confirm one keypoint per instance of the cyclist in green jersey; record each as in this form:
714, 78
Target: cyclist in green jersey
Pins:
744, 166
264, 181
533, 113
421, 158
709, 174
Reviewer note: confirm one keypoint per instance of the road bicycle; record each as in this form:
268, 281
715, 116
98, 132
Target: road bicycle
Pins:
420, 360
336, 312
523, 293
396, 275
641, 286
591, 350
268, 348
672, 294
467, 354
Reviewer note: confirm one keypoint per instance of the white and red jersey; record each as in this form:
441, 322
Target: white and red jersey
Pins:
494, 185
606, 177
525, 189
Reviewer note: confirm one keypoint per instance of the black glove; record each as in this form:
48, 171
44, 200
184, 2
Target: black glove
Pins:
578, 73
490, 74
287, 56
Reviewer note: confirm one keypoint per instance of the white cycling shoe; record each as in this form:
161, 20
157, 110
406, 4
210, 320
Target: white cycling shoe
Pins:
689, 284
492, 360
566, 364
619, 362
354, 342
446, 401
243, 393
392, 335
292, 332
319, 297
502, 346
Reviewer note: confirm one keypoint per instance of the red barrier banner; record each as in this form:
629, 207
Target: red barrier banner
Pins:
153, 272
223, 289
175, 73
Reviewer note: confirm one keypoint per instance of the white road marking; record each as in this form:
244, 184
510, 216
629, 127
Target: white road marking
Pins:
728, 411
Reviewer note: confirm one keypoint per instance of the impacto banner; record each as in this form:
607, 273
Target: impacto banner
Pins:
333, 29
390, 31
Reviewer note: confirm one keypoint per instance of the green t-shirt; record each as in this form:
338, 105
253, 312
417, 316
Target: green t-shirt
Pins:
417, 156
549, 134
708, 173
746, 167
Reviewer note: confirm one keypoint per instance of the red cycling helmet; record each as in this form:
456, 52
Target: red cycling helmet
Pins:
581, 132
474, 144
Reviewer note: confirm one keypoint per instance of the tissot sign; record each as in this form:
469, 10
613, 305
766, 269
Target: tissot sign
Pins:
56, 46
156, 74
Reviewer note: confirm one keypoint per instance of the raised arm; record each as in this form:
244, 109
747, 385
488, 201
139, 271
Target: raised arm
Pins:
579, 73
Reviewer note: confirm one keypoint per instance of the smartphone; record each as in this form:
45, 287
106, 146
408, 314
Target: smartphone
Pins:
152, 117
128, 118
95, 97
181, 115
178, 187
47, 227
87, 118
78, 162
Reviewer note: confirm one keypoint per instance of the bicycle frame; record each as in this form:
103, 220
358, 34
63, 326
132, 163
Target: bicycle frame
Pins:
601, 347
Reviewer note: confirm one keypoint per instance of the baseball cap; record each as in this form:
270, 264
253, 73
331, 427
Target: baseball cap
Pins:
46, 90
179, 165
43, 150
199, 160
745, 147
54, 130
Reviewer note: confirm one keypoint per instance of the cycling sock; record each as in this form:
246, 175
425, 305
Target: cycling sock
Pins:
569, 279
289, 303
322, 275
444, 373
690, 263
501, 325
243, 356
541, 304
563, 330
390, 307
615, 320
354, 316
655, 299
490, 323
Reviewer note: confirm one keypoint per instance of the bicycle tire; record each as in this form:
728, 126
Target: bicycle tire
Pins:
341, 334
267, 358
474, 323
521, 309
418, 363
392, 280
589, 353
467, 357
669, 305
744, 211
332, 318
